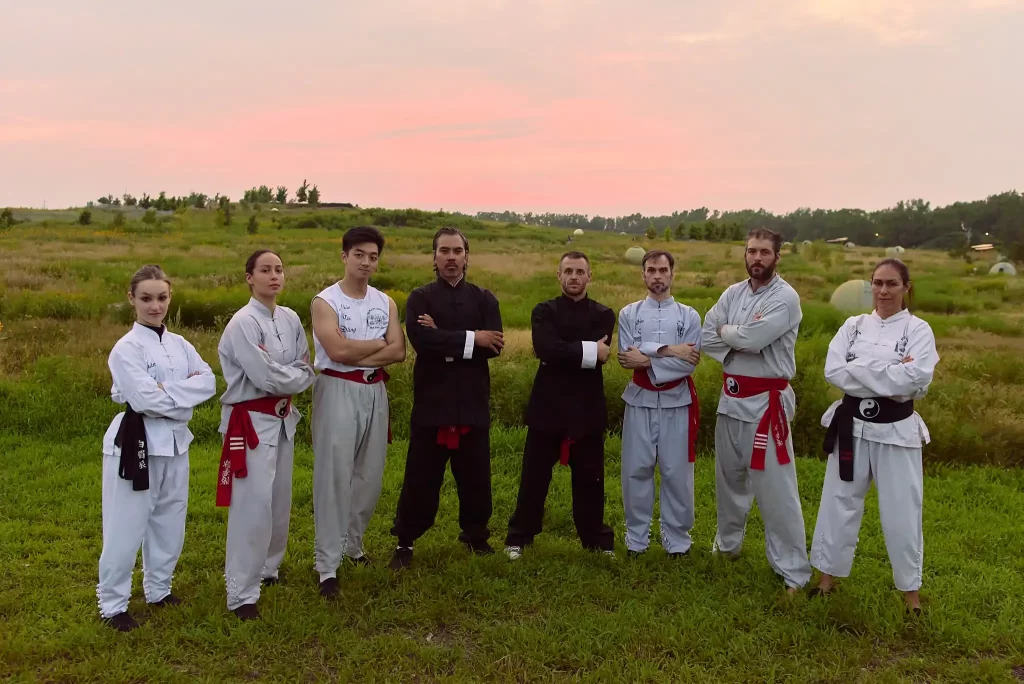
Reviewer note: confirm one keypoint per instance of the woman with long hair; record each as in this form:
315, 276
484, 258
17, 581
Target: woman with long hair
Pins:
160, 378
883, 362
264, 356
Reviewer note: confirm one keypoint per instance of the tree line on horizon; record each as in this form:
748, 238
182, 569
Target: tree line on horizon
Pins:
998, 219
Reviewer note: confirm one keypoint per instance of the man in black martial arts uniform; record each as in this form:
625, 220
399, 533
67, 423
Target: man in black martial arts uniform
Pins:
455, 328
567, 415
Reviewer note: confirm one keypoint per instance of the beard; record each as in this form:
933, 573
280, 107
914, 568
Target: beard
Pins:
765, 275
658, 288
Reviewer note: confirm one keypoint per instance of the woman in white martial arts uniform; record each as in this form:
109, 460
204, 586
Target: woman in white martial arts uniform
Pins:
883, 362
264, 356
160, 377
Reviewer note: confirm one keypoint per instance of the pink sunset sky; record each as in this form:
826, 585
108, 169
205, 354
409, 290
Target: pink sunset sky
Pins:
589, 106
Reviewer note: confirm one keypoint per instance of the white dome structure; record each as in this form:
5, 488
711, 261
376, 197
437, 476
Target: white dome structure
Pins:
1003, 267
578, 231
806, 243
853, 296
850, 245
899, 250
635, 255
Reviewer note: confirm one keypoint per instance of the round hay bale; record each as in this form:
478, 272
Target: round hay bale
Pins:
578, 231
850, 245
1003, 267
899, 250
853, 296
891, 252
635, 255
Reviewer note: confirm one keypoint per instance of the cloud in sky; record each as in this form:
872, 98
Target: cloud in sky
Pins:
590, 106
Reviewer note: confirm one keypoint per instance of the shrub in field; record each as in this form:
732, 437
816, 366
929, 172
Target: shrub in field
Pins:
118, 221
85, 218
149, 218
253, 226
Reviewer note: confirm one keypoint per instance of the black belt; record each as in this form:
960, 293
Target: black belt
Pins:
131, 439
873, 410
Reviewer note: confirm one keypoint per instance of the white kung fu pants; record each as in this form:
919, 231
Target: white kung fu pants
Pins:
899, 478
153, 519
737, 485
350, 445
261, 505
657, 436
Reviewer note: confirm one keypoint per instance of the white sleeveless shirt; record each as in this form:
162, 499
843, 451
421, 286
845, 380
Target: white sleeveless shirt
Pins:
359, 319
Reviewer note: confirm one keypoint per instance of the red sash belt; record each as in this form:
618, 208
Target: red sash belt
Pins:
643, 381
239, 435
563, 451
364, 377
773, 420
448, 435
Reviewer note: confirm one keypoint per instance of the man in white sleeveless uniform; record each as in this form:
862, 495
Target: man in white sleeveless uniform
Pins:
356, 333
659, 340
752, 331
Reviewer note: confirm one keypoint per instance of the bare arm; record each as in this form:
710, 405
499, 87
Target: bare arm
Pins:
339, 348
394, 351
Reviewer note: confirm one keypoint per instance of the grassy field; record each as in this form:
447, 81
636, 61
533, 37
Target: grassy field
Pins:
558, 614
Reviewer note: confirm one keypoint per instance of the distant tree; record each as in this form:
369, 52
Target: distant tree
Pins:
696, 231
301, 193
149, 218
668, 235
119, 220
162, 203
314, 196
712, 232
282, 194
650, 233
145, 201
6, 218
1016, 251
85, 218
129, 201
104, 200
737, 232
682, 231
253, 226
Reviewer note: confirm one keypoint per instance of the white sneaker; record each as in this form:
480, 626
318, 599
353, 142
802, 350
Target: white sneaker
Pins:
609, 553
514, 552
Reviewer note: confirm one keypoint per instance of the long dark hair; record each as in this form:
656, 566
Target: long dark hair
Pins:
901, 268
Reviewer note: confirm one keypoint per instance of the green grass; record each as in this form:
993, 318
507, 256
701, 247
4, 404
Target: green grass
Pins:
558, 613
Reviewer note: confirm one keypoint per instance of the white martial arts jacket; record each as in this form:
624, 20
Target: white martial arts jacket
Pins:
864, 361
283, 369
649, 325
762, 348
139, 361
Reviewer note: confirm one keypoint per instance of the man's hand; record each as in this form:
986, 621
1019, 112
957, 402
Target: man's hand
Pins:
757, 317
193, 374
426, 321
381, 342
603, 350
685, 352
907, 359
633, 358
490, 339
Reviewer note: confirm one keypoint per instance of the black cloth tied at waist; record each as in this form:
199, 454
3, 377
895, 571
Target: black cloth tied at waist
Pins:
873, 410
131, 439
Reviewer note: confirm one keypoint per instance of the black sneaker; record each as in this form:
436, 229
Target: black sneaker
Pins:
247, 612
635, 554
362, 560
401, 559
271, 581
480, 547
676, 555
329, 588
169, 600
122, 622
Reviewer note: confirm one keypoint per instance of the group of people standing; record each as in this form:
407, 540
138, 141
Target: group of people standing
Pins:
882, 361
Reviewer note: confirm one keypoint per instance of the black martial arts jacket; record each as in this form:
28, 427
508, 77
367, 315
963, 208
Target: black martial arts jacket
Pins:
567, 399
447, 388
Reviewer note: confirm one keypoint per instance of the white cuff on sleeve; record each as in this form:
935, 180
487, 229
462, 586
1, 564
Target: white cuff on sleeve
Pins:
467, 352
589, 355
